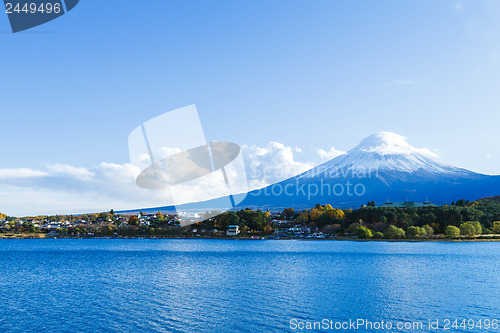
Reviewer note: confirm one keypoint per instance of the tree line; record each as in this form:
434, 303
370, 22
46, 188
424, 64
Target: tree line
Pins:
460, 218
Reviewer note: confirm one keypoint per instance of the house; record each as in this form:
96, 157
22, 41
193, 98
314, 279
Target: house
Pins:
298, 229
233, 230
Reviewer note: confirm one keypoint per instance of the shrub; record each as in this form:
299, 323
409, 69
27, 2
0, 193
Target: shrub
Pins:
452, 232
378, 235
363, 232
496, 227
412, 232
429, 231
478, 227
394, 232
471, 228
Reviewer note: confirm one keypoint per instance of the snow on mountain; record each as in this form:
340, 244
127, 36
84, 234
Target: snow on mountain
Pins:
388, 143
383, 166
386, 151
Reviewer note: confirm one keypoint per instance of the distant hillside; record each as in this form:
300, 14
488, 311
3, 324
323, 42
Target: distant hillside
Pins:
494, 198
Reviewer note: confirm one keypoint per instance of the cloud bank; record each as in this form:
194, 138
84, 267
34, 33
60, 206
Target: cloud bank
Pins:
67, 189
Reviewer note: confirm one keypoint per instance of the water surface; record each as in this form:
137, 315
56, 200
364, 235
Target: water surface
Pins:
235, 285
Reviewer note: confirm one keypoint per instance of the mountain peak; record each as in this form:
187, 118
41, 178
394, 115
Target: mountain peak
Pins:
390, 151
389, 143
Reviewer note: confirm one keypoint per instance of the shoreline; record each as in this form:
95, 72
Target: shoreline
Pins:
339, 238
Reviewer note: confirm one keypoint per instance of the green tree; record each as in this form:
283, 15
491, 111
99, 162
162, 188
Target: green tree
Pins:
412, 232
496, 227
107, 230
378, 235
288, 213
363, 232
452, 232
429, 231
28, 227
255, 220
303, 217
244, 230
478, 227
394, 232
227, 219
468, 229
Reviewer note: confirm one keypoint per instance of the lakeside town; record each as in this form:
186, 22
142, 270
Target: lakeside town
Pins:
391, 221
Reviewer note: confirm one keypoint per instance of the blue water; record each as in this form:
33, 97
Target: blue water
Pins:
238, 286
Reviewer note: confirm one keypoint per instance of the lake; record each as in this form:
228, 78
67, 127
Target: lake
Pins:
141, 285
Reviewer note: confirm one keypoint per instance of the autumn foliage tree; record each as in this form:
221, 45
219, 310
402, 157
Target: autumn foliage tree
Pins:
133, 220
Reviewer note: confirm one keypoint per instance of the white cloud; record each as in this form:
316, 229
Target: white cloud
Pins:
68, 189
330, 154
71, 171
61, 188
21, 173
271, 164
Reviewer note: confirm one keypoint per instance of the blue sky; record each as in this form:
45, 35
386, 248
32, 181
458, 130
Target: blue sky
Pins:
308, 74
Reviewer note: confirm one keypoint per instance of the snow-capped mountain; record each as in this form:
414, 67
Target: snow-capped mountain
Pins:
384, 166
390, 151
387, 152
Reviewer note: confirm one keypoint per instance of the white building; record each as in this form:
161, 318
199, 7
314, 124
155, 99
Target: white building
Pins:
233, 230
187, 215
